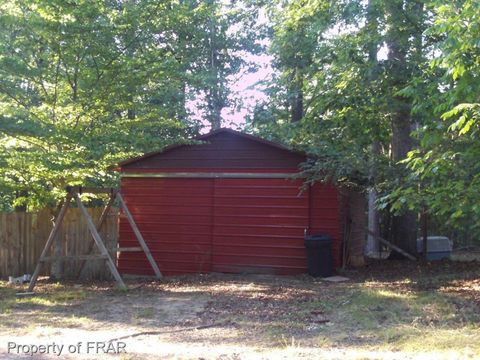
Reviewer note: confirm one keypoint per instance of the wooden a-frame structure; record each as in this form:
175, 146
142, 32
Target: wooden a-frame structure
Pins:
74, 193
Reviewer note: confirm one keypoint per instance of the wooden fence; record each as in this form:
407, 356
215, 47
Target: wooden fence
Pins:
23, 236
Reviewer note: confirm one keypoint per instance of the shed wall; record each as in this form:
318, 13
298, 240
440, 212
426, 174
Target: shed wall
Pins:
227, 225
325, 217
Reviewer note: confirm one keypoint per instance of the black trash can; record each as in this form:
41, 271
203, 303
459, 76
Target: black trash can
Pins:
319, 255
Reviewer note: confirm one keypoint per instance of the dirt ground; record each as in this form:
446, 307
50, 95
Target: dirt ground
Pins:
387, 310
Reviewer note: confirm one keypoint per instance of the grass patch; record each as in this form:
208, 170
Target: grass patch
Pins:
47, 307
7, 298
55, 298
274, 331
320, 305
76, 321
145, 313
373, 317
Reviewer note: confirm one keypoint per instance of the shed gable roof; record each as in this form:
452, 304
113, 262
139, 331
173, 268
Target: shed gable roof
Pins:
223, 149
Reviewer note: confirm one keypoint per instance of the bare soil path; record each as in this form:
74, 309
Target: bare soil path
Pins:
388, 310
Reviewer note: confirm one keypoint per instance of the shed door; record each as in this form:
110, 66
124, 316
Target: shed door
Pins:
175, 218
258, 226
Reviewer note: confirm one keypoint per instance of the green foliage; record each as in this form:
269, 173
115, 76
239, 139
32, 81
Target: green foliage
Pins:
345, 92
84, 84
444, 170
365, 66
72, 75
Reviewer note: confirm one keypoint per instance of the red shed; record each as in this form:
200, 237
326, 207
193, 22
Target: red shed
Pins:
229, 204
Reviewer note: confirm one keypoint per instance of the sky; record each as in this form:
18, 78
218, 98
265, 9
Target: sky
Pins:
246, 88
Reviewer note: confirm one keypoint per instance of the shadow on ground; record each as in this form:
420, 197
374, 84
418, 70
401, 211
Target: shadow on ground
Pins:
394, 305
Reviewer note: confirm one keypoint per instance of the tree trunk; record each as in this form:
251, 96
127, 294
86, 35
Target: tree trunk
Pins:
297, 97
404, 227
372, 245
357, 212
23, 207
215, 99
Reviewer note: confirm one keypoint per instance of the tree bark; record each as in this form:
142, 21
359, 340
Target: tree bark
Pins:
404, 226
297, 96
357, 209
23, 207
372, 244
215, 101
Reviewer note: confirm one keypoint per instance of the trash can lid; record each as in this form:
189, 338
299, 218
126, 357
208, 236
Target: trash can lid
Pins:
318, 237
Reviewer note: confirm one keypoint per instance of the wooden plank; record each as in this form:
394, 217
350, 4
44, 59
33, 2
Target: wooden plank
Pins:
102, 219
139, 236
53, 233
97, 269
26, 234
128, 249
90, 190
42, 228
392, 246
99, 242
22, 235
56, 268
4, 245
73, 257
14, 235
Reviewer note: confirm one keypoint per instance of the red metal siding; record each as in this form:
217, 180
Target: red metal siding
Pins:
175, 217
325, 216
220, 151
258, 226
226, 225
